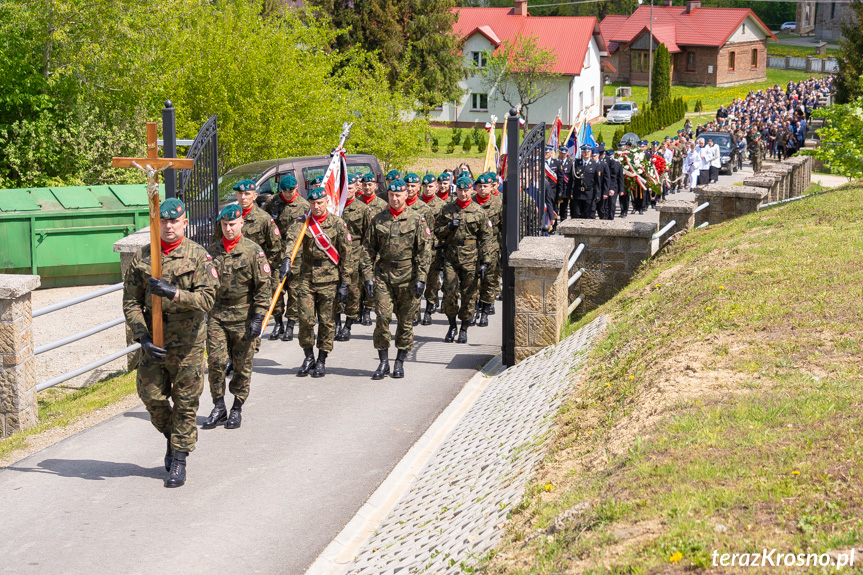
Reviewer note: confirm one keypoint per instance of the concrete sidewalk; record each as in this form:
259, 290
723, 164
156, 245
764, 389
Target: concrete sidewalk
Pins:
266, 498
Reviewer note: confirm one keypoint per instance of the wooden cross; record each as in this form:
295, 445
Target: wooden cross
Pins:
152, 165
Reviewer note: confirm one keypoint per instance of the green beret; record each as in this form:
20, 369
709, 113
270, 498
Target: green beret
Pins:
317, 181
464, 174
428, 179
368, 178
486, 178
393, 175
463, 183
288, 182
246, 185
171, 209
317, 193
412, 178
353, 179
230, 213
397, 185
444, 177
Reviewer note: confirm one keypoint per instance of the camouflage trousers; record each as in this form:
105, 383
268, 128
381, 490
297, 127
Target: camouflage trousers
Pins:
389, 298
289, 294
433, 282
490, 286
316, 306
351, 308
459, 281
225, 340
178, 380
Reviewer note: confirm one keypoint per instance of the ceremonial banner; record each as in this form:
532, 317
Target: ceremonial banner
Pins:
336, 182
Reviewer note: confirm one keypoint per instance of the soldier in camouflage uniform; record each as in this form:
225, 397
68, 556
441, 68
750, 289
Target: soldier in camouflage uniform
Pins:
175, 372
323, 278
237, 317
493, 206
397, 253
435, 203
445, 187
357, 215
676, 164
756, 150
468, 240
412, 181
285, 207
376, 204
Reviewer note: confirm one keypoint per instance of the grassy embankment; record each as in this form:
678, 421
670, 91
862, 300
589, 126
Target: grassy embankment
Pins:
720, 411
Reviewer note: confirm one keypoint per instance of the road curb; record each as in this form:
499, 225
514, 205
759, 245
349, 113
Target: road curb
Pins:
336, 557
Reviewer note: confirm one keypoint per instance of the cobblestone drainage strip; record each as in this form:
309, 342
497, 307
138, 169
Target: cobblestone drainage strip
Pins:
445, 504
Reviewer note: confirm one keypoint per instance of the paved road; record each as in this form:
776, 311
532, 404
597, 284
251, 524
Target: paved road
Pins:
266, 498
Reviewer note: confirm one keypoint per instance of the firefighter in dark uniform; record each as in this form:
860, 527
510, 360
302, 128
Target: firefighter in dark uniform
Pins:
552, 167
564, 183
591, 184
614, 180
624, 194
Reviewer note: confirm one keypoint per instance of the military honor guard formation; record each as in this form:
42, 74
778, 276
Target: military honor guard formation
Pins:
296, 259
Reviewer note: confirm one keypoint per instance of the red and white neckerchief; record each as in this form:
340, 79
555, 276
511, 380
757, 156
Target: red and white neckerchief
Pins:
323, 240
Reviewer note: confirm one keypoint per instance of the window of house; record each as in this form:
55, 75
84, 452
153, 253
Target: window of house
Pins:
690, 61
478, 59
640, 61
587, 58
479, 102
754, 63
731, 61
744, 27
581, 101
592, 95
832, 10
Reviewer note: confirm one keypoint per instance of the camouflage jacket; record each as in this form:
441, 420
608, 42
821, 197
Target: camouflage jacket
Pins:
398, 249
188, 267
314, 263
377, 205
494, 212
472, 240
285, 213
261, 229
357, 217
244, 281
425, 210
436, 205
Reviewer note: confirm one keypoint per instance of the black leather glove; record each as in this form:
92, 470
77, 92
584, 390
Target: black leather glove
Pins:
454, 223
370, 288
284, 268
342, 292
162, 288
483, 269
256, 327
419, 289
153, 351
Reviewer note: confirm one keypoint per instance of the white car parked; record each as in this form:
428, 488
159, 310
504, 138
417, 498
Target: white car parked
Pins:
788, 26
621, 112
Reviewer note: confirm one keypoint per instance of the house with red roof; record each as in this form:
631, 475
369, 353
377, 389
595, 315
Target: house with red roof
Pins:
708, 46
576, 41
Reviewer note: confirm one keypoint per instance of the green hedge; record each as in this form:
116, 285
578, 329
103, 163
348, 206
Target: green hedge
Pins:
653, 118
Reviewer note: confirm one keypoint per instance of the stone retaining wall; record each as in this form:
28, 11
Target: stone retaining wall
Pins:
727, 202
678, 210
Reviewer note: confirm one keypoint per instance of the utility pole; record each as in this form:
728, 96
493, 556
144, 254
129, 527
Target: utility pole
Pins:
650, 59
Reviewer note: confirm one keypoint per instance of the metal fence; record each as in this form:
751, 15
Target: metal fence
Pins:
824, 65
532, 218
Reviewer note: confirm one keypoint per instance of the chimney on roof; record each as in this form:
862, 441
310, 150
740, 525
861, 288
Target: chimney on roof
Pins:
667, 3
692, 5
520, 8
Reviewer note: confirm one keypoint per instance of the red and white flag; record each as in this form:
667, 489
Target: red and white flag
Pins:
336, 183
554, 134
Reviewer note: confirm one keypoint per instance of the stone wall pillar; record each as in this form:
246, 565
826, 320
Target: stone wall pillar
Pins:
727, 202
18, 409
769, 183
786, 171
781, 179
678, 210
128, 247
614, 249
540, 292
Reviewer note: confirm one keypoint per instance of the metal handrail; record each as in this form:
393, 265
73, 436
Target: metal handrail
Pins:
574, 304
704, 225
663, 231
79, 336
574, 257
81, 298
89, 367
701, 207
575, 277
786, 200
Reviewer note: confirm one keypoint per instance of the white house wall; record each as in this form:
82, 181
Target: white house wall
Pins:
752, 33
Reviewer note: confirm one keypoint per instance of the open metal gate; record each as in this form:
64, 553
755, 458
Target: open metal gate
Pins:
199, 187
524, 213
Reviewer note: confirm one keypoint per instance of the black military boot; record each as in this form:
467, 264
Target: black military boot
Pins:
229, 368
169, 455
345, 334
418, 319
367, 316
399, 365
308, 362
235, 419
278, 329
288, 335
462, 334
431, 305
427, 319
177, 473
338, 326
217, 416
450, 334
483, 316
476, 311
321, 364
491, 308
383, 369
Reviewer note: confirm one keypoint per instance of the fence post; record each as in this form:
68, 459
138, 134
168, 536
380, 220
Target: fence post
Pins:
510, 238
169, 147
18, 409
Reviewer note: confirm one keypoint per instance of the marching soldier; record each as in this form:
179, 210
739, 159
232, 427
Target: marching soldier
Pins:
412, 181
175, 372
676, 163
445, 187
285, 207
236, 320
756, 151
357, 216
326, 265
433, 283
397, 252
493, 206
376, 204
468, 240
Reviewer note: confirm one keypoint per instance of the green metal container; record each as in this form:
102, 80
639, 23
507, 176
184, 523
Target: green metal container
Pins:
66, 235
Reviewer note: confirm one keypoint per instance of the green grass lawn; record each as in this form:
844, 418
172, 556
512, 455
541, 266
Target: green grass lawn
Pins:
721, 409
